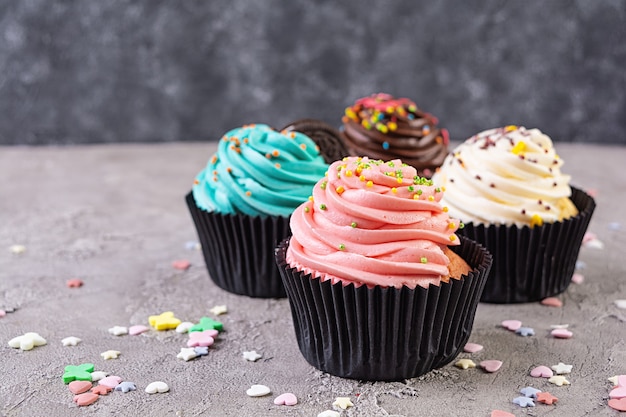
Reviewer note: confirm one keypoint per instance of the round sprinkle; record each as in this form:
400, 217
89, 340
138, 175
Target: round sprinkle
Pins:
342, 246
353, 225
340, 189
275, 153
306, 209
370, 184
322, 206
512, 325
277, 166
385, 145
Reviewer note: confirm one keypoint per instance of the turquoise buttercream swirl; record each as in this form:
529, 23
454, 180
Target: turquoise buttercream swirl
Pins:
259, 171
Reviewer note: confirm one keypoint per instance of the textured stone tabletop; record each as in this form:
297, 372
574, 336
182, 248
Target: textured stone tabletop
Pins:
114, 216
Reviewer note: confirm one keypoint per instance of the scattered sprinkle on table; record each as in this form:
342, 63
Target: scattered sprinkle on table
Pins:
512, 325
157, 387
491, 365
472, 347
192, 245
252, 356
620, 303
78, 387
525, 331
465, 363
286, 399
541, 372
258, 391
329, 413
125, 387
86, 398
558, 380
201, 350
562, 368
164, 321
524, 402
70, 341
80, 372
207, 323
98, 375
27, 341
184, 327
618, 392
74, 283
552, 302
562, 333
17, 249
500, 413
101, 389
182, 264
618, 380
3, 313
110, 354
343, 402
111, 381
218, 310
530, 392
137, 329
578, 278
546, 398
204, 338
118, 330
187, 354
618, 404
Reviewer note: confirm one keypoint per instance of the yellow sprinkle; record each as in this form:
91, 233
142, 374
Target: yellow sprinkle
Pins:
431, 198
452, 238
348, 173
362, 178
392, 126
443, 188
445, 209
394, 190
416, 197
399, 180
382, 128
340, 189
536, 220
519, 148
370, 184
510, 128
366, 124
311, 198
451, 225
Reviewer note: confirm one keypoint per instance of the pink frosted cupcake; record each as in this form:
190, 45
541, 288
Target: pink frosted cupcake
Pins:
380, 286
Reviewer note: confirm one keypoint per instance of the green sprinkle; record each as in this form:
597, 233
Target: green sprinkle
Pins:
323, 185
306, 209
418, 192
353, 224
411, 188
437, 190
322, 206
399, 173
461, 225
424, 260
391, 164
342, 246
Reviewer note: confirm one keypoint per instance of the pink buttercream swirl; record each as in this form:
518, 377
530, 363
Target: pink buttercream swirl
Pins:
374, 223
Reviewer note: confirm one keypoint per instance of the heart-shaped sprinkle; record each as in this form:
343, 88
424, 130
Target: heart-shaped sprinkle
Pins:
619, 392
552, 302
86, 398
500, 413
618, 404
78, 387
491, 365
578, 278
620, 304
157, 387
181, 264
258, 391
561, 333
286, 399
541, 372
137, 329
472, 347
511, 325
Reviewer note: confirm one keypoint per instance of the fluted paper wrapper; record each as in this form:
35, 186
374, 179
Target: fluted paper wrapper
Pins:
383, 334
239, 250
530, 264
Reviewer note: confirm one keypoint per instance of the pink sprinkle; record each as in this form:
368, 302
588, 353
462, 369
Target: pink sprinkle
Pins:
74, 283
589, 236
3, 313
181, 264
578, 278
562, 333
552, 302
137, 329
541, 372
592, 192
473, 347
512, 325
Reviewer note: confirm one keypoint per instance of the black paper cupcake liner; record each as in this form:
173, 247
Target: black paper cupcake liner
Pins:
530, 264
383, 333
239, 250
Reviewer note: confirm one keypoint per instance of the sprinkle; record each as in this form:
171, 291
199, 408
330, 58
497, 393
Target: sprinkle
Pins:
465, 364
342, 402
252, 356
86, 398
248, 193
322, 206
311, 198
558, 380
619, 392
530, 392
187, 354
203, 339
330, 413
218, 310
472, 347
552, 302
71, 341
424, 260
258, 391
512, 325
578, 278
118, 330
394, 190
562, 368
286, 399
110, 354
322, 186
353, 225
137, 329
524, 402
17, 249
452, 238
561, 333
340, 189
101, 390
536, 220
181, 264
126, 386
431, 198
164, 321
525, 331
445, 209
277, 166
385, 145
27, 341
362, 178
78, 387
500, 413
184, 327
275, 153
201, 350
491, 365
620, 304
157, 387
80, 372
110, 381
307, 209
207, 323
546, 398
74, 283
618, 404
510, 128
370, 184
541, 372
342, 246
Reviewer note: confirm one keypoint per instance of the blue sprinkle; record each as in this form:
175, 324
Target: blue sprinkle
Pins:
192, 245
525, 331
530, 392
410, 116
201, 350
524, 401
615, 226
385, 145
426, 128
381, 116
581, 264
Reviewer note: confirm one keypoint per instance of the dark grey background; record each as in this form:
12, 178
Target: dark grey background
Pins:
147, 70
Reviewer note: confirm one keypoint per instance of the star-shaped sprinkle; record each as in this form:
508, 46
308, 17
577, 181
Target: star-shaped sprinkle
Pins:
110, 354
71, 341
27, 341
558, 380
217, 310
530, 392
524, 401
101, 389
525, 331
126, 386
207, 323
80, 372
343, 402
252, 356
329, 413
184, 327
201, 350
546, 398
98, 375
118, 330
17, 249
561, 368
74, 283
164, 321
465, 364
187, 354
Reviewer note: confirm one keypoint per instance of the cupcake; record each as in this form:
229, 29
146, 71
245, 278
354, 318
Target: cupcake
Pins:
380, 286
323, 134
241, 203
506, 185
383, 127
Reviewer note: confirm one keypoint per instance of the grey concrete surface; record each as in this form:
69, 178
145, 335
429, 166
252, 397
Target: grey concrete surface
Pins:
114, 216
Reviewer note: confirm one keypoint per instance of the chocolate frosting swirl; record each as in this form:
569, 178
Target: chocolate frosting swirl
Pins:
383, 127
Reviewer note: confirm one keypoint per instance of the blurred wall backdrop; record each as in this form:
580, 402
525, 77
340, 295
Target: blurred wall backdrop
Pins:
97, 71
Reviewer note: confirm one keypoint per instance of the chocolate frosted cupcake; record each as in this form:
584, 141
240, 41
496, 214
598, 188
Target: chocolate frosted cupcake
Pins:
241, 203
324, 135
383, 127
507, 186
379, 285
